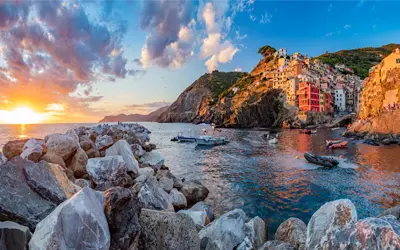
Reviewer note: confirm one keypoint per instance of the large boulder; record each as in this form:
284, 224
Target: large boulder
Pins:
3, 159
84, 183
73, 134
178, 200
201, 206
329, 219
51, 157
14, 148
50, 181
198, 217
194, 191
62, 145
110, 171
13, 236
370, 233
256, 232
123, 149
86, 143
293, 231
166, 184
19, 203
33, 150
92, 153
277, 245
167, 230
152, 159
78, 223
122, 211
146, 171
153, 196
137, 150
226, 232
103, 142
395, 211
78, 163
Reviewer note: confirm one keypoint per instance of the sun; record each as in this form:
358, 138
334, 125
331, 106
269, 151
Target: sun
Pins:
22, 115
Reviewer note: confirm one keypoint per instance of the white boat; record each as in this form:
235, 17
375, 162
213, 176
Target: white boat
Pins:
335, 128
207, 140
273, 140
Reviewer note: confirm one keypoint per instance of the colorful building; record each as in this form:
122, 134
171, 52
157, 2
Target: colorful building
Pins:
328, 103
308, 96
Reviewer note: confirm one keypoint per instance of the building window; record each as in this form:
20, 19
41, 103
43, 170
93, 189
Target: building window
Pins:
398, 60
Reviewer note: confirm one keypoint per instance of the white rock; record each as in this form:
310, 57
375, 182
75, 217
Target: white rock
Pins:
123, 149
256, 232
109, 171
153, 196
152, 159
62, 145
292, 231
224, 233
137, 150
201, 206
146, 171
103, 142
178, 200
166, 184
77, 223
198, 217
33, 150
329, 219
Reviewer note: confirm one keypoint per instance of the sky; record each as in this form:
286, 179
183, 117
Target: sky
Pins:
77, 61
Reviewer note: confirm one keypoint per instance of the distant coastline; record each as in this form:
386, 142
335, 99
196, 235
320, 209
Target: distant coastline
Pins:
151, 117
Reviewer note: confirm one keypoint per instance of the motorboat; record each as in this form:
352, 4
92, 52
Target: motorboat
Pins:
313, 132
207, 140
321, 160
272, 139
335, 141
181, 138
342, 144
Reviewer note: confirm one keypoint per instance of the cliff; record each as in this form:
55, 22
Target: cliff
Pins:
151, 117
194, 104
360, 60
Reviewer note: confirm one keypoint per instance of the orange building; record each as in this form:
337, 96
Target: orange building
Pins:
308, 96
328, 103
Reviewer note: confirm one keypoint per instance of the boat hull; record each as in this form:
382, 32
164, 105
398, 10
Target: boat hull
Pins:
322, 161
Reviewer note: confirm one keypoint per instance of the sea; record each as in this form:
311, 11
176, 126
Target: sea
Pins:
273, 182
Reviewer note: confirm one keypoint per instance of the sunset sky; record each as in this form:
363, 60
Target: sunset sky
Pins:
77, 61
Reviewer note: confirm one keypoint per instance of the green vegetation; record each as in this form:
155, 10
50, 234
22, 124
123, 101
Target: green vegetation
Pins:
221, 81
266, 50
360, 60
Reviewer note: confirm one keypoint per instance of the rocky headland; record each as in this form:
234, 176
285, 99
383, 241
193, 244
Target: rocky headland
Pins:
151, 117
105, 187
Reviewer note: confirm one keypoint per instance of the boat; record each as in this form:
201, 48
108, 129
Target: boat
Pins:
272, 139
321, 160
181, 138
207, 140
313, 132
335, 128
335, 141
342, 144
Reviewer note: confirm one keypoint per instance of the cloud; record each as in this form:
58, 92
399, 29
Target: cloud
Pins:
215, 48
170, 39
239, 37
50, 48
347, 26
266, 18
238, 69
329, 34
252, 18
330, 7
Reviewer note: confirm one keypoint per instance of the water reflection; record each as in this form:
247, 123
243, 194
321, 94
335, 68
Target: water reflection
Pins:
270, 182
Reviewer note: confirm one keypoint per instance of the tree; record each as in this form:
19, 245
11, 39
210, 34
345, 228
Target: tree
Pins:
266, 50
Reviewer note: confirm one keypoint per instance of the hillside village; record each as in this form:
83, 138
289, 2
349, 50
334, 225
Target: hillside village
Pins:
311, 85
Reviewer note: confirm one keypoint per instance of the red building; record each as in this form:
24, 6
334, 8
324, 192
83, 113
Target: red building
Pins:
308, 96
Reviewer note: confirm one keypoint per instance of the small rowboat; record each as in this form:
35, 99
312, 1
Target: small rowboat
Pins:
342, 144
320, 160
330, 142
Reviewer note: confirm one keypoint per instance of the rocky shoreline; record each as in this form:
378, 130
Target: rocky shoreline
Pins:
105, 188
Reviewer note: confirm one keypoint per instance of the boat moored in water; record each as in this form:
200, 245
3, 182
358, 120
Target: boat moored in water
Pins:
342, 144
207, 140
321, 160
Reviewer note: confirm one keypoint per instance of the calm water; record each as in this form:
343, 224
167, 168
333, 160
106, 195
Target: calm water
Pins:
268, 181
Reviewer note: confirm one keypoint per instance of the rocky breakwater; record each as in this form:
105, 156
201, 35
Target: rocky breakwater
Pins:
56, 195
383, 128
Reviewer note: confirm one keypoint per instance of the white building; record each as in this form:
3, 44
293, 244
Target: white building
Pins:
340, 100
